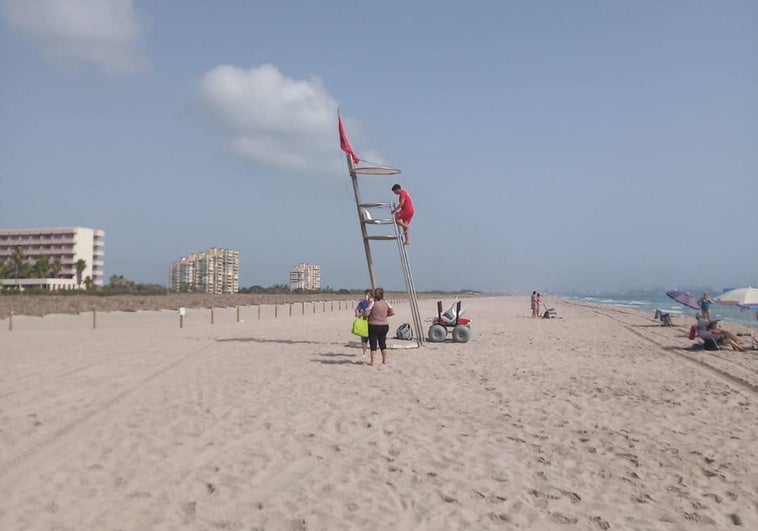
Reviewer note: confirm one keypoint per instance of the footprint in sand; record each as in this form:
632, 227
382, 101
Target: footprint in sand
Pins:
187, 509
599, 522
560, 518
699, 518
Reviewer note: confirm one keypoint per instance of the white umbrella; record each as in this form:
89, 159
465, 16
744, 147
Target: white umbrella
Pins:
742, 296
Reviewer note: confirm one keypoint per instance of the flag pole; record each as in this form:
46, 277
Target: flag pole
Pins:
364, 232
352, 160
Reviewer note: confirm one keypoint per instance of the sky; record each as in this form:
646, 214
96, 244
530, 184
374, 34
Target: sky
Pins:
554, 146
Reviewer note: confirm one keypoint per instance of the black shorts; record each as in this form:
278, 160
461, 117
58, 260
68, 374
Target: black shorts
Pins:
377, 334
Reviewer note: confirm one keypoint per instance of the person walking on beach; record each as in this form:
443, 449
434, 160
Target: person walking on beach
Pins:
378, 326
705, 305
534, 304
404, 212
362, 311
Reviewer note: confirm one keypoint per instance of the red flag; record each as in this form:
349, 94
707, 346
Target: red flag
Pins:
345, 145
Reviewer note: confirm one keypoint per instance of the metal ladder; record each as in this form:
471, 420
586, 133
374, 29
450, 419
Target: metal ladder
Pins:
412, 299
365, 218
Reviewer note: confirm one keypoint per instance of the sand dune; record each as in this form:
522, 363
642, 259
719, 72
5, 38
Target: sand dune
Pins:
598, 420
41, 305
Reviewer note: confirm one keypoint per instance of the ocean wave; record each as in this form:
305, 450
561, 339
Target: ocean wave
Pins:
665, 304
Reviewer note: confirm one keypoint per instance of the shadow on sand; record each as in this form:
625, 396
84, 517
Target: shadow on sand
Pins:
264, 340
339, 362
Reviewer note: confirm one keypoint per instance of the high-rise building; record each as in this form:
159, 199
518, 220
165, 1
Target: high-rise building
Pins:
212, 271
306, 277
61, 248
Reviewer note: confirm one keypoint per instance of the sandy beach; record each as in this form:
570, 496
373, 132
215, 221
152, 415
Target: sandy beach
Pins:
600, 419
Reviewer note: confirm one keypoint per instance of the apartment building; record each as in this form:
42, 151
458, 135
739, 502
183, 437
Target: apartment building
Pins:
306, 277
212, 271
63, 247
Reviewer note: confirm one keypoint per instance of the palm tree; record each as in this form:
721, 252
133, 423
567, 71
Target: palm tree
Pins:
80, 266
41, 267
56, 267
18, 258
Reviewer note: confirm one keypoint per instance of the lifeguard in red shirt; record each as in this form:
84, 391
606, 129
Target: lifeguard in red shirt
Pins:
403, 212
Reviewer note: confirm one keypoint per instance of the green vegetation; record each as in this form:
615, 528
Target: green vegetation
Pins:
17, 266
80, 266
283, 289
118, 285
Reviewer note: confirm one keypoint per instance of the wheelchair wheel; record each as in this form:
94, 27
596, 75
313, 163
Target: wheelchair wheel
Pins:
461, 333
437, 333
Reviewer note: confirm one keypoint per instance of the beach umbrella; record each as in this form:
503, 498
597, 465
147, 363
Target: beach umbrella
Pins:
741, 296
684, 298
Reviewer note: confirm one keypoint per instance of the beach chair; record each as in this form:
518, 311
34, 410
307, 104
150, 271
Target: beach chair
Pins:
549, 313
710, 340
664, 317
715, 341
449, 316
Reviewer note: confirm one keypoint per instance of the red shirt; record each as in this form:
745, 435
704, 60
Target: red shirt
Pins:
405, 199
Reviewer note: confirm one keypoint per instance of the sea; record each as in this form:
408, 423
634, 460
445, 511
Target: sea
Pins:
650, 302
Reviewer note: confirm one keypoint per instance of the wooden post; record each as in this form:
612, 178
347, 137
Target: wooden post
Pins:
10, 321
303, 307
290, 309
323, 307
331, 308
259, 311
181, 321
94, 318
314, 306
212, 308
238, 314
276, 311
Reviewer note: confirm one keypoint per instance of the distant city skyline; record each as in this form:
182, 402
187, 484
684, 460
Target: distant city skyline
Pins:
552, 146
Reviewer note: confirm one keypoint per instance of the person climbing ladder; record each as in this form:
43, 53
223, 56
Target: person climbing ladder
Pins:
404, 212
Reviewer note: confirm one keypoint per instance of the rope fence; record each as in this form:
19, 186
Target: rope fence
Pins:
259, 312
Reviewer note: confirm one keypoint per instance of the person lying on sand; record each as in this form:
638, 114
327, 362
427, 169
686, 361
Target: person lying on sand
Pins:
725, 336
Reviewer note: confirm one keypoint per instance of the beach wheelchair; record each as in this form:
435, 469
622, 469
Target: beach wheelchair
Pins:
450, 321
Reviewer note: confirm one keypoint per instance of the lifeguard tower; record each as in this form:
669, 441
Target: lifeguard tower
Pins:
376, 215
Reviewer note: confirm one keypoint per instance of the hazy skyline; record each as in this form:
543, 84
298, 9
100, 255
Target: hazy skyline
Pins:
550, 146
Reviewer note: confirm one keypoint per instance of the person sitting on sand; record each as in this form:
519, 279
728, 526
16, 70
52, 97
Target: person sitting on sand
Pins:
724, 337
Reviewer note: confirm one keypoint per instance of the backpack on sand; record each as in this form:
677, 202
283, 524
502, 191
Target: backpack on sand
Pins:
404, 331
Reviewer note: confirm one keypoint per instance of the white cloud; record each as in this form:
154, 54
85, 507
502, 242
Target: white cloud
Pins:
102, 32
273, 120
